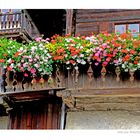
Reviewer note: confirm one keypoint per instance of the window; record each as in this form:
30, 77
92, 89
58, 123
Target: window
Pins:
133, 28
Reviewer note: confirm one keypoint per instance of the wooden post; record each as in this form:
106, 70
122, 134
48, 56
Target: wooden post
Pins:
1, 79
69, 17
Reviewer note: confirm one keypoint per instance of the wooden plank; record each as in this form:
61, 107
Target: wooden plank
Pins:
91, 11
108, 99
29, 118
102, 19
104, 92
118, 14
110, 106
49, 116
69, 16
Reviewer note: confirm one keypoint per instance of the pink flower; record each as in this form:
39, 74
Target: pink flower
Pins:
37, 57
21, 68
96, 54
99, 59
96, 64
22, 60
30, 60
25, 74
115, 61
38, 39
33, 70
108, 59
104, 63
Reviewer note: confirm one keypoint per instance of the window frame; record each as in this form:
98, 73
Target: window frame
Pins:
127, 24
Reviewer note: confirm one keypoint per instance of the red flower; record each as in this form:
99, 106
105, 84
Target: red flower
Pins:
136, 62
132, 52
9, 68
126, 58
72, 61
17, 54
2, 60
53, 42
124, 51
60, 51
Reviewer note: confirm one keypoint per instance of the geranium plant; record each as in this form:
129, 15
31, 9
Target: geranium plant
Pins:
39, 56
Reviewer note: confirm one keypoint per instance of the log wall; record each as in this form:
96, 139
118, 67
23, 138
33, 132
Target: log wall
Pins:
98, 20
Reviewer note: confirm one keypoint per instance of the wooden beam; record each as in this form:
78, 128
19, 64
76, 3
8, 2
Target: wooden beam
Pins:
69, 17
102, 99
32, 95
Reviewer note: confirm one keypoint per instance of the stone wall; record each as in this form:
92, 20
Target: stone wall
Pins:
103, 120
4, 122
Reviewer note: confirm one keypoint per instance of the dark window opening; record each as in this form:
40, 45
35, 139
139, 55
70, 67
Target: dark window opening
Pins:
49, 21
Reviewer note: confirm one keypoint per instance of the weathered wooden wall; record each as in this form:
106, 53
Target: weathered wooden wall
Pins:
36, 115
98, 20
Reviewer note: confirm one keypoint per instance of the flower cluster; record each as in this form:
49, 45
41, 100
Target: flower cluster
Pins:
33, 57
39, 56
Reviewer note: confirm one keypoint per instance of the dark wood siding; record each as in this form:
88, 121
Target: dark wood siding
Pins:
98, 20
37, 115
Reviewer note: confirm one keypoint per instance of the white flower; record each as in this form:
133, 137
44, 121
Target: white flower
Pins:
40, 45
83, 62
36, 65
65, 55
25, 51
21, 49
87, 38
123, 66
40, 69
79, 60
76, 67
67, 62
138, 65
119, 48
126, 70
18, 64
46, 60
9, 60
41, 48
25, 64
12, 65
45, 51
81, 55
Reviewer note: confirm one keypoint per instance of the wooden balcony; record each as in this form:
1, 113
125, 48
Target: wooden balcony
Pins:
86, 88
18, 24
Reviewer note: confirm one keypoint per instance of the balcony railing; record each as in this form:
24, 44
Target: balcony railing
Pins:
19, 23
86, 77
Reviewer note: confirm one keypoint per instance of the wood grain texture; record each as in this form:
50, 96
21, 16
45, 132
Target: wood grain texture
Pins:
98, 20
36, 115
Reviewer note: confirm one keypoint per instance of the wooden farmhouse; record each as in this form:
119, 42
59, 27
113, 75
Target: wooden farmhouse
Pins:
87, 98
